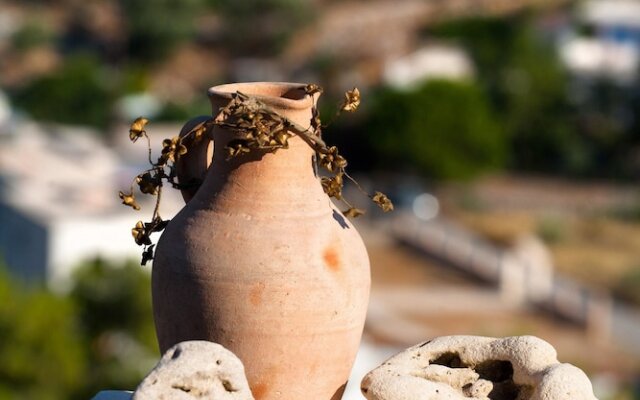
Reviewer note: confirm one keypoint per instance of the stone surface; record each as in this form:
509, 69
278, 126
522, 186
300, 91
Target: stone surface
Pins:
196, 370
477, 368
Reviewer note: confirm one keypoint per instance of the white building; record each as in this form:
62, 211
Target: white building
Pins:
59, 202
613, 50
437, 61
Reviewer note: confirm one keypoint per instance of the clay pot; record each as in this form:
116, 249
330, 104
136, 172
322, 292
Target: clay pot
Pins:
261, 261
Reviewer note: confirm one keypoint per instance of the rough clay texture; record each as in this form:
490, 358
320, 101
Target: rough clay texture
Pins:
477, 368
196, 370
262, 262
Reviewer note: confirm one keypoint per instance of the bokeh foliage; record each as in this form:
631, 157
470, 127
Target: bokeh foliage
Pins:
517, 117
70, 347
547, 124
548, 128
76, 93
258, 28
443, 128
156, 27
42, 351
114, 309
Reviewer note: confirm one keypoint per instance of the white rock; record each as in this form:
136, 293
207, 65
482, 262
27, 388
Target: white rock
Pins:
196, 370
477, 368
564, 382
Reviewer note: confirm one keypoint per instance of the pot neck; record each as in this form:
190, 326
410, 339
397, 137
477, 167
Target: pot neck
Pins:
288, 100
282, 179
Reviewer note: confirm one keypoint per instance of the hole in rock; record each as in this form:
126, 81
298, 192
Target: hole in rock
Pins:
181, 387
495, 370
451, 360
506, 390
499, 372
228, 386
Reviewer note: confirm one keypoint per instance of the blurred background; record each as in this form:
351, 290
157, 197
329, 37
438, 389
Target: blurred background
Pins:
507, 132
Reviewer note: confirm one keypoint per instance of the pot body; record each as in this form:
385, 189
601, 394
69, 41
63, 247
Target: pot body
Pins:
261, 262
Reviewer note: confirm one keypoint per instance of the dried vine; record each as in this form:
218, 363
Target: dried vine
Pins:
259, 128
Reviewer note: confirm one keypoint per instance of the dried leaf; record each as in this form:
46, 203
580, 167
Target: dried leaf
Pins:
353, 212
140, 234
236, 147
136, 131
351, 100
255, 126
331, 160
312, 89
148, 183
333, 186
383, 201
199, 131
316, 123
282, 138
147, 255
157, 225
173, 148
128, 199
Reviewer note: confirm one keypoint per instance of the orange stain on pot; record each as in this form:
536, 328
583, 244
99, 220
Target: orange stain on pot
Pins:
331, 259
259, 390
255, 295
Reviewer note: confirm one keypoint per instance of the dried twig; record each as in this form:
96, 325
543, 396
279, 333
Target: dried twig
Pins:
258, 127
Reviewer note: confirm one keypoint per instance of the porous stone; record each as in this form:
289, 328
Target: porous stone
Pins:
477, 368
196, 370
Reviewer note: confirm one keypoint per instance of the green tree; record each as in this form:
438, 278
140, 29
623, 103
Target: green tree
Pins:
156, 27
443, 128
528, 86
101, 336
263, 27
538, 114
114, 303
77, 93
42, 352
31, 34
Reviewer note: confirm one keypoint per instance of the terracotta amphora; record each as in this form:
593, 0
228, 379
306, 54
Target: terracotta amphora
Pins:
260, 260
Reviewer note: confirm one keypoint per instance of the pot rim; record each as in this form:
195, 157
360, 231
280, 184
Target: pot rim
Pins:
274, 94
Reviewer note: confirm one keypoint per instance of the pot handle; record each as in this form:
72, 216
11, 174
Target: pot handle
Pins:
192, 167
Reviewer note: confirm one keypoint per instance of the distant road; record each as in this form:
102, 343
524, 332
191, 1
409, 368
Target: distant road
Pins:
625, 326
455, 244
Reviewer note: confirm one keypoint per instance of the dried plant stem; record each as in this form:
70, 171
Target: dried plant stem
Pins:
356, 184
157, 207
314, 141
258, 127
148, 147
